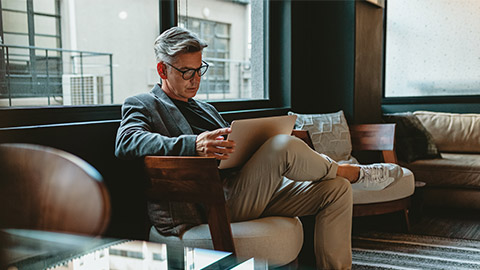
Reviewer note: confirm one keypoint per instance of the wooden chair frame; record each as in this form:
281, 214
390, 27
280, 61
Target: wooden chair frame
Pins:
193, 180
197, 180
378, 137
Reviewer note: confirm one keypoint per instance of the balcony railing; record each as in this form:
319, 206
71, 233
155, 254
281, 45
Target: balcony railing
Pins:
35, 76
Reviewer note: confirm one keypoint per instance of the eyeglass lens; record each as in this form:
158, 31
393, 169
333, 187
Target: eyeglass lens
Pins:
191, 72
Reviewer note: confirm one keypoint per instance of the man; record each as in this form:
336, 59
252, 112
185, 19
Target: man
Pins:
168, 121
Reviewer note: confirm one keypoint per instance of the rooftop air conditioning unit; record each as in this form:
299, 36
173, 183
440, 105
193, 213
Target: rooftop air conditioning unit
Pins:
82, 90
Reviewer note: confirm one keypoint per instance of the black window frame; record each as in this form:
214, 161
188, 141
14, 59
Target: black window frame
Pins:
450, 103
277, 80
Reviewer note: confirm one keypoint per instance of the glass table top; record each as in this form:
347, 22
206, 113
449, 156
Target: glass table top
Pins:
27, 249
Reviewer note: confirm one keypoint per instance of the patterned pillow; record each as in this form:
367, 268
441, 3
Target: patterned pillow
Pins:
329, 133
413, 141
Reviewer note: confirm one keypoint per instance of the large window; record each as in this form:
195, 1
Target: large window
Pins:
432, 48
89, 52
84, 52
234, 31
29, 73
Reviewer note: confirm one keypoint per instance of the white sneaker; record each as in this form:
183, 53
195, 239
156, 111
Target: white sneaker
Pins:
377, 176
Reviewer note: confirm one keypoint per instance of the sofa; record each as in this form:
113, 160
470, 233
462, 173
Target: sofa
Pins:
442, 150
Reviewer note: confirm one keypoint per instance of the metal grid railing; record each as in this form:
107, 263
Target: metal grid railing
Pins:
50, 76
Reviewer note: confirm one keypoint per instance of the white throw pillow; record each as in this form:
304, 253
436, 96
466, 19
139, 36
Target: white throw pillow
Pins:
329, 133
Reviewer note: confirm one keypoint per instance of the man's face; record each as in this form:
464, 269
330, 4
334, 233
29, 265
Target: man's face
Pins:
173, 83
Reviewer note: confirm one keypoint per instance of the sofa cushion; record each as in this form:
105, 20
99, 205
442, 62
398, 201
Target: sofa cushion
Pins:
399, 189
452, 132
329, 133
413, 141
275, 239
452, 170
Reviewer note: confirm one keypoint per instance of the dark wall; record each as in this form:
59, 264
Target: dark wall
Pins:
337, 50
323, 41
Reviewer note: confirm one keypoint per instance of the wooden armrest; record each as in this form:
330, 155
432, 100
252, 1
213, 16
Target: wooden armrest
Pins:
186, 179
375, 137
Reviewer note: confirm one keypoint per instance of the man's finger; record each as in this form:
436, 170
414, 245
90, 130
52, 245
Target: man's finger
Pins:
221, 143
220, 150
218, 132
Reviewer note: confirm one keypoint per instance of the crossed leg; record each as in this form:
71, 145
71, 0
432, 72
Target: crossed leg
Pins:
263, 188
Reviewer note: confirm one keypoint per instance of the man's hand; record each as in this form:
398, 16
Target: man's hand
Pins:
212, 144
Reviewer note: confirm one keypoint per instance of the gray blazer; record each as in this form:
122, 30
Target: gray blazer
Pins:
153, 125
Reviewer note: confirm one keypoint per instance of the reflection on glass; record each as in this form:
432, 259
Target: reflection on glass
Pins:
139, 255
199, 258
128, 255
247, 265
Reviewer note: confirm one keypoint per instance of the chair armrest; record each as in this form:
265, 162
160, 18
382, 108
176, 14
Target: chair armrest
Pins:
185, 179
375, 137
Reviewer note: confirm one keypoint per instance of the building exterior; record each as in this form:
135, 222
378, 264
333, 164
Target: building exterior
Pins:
100, 52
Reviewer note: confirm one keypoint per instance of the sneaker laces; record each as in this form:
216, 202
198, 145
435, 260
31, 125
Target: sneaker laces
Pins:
374, 173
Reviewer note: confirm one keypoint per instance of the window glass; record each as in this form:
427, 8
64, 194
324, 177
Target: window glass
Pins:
16, 4
45, 6
229, 28
432, 48
92, 52
45, 25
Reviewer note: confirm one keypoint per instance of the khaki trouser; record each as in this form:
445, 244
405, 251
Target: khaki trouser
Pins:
263, 188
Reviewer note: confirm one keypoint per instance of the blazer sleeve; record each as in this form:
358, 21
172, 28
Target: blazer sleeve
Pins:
139, 136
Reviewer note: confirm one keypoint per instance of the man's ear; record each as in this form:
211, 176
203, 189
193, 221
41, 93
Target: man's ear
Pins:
161, 69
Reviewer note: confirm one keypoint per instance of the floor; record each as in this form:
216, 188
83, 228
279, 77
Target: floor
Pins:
454, 223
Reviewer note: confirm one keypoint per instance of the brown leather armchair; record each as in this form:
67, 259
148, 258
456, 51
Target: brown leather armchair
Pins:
43, 188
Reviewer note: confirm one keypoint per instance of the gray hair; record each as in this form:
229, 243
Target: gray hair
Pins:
175, 41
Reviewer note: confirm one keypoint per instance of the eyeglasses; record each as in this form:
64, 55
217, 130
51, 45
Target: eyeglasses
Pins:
190, 72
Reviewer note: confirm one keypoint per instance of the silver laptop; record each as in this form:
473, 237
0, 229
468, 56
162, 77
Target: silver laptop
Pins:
250, 134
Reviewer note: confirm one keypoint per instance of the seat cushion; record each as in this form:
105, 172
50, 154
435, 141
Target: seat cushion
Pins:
453, 170
275, 239
399, 189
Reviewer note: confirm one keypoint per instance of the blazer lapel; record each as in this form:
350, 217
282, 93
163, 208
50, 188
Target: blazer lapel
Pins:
177, 117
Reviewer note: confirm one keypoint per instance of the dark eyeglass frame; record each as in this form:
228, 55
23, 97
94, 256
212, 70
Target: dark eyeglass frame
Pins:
195, 70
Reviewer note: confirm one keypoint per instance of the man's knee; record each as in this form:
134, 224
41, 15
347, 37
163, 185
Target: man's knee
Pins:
342, 188
282, 143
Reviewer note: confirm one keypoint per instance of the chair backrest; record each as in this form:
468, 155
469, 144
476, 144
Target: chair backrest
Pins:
196, 180
375, 137
43, 188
